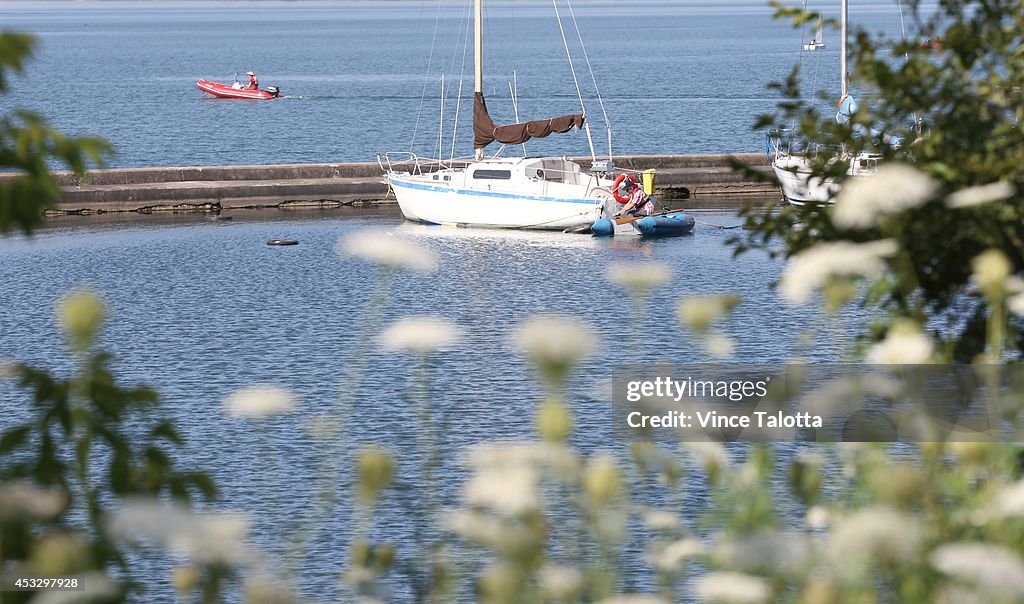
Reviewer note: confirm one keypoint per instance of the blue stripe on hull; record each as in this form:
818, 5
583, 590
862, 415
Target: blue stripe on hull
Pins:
492, 194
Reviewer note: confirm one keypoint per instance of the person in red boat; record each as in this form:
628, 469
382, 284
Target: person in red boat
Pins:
254, 84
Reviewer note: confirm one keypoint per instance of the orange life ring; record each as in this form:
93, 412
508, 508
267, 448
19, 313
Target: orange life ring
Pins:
615, 187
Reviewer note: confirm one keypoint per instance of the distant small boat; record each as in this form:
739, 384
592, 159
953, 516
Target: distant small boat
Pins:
818, 42
669, 224
237, 91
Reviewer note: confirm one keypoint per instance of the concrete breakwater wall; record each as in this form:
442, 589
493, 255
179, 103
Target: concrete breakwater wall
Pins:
331, 185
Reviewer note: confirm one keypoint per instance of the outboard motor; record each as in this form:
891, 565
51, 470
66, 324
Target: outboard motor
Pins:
274, 91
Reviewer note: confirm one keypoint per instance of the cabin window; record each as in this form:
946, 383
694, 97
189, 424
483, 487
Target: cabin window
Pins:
492, 174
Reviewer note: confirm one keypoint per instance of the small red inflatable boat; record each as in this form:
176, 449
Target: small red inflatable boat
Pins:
237, 91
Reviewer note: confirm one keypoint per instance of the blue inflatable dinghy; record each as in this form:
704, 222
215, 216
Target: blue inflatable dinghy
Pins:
659, 225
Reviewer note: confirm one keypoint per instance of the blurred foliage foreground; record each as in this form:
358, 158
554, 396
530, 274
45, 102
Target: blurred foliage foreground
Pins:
87, 470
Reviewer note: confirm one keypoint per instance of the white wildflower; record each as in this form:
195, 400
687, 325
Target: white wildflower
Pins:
420, 334
671, 558
511, 490
958, 594
660, 520
992, 568
699, 312
765, 551
266, 589
844, 396
904, 344
558, 458
555, 340
720, 346
639, 277
501, 454
22, 497
1009, 502
711, 455
817, 517
215, 539
892, 189
208, 538
812, 268
259, 401
876, 533
981, 194
560, 583
734, 588
385, 249
1016, 304
481, 528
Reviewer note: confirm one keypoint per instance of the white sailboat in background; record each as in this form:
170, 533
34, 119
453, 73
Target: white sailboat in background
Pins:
792, 163
818, 42
521, 193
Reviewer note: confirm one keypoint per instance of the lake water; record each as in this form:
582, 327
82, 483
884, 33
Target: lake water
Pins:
363, 77
198, 309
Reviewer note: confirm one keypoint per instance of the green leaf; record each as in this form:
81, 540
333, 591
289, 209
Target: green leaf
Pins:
14, 438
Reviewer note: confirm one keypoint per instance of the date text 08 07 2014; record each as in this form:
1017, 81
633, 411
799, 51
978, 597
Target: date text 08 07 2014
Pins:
39, 583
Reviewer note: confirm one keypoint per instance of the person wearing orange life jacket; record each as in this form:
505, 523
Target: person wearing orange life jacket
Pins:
638, 202
254, 84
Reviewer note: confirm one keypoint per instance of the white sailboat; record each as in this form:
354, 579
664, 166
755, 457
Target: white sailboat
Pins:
818, 42
520, 193
792, 165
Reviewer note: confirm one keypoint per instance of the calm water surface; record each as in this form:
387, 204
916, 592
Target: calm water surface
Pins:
363, 77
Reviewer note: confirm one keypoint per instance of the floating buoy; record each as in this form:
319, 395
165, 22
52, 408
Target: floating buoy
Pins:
603, 228
283, 242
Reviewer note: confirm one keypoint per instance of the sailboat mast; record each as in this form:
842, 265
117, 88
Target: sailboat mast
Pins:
478, 54
843, 67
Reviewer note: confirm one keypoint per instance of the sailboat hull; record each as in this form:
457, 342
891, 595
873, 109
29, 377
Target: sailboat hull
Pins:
517, 193
461, 206
800, 188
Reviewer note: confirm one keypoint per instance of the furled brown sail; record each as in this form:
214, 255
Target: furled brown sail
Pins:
485, 132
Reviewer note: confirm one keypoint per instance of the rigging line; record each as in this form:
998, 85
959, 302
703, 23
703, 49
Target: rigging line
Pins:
800, 59
426, 78
462, 79
440, 128
513, 89
576, 81
455, 48
590, 68
568, 55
